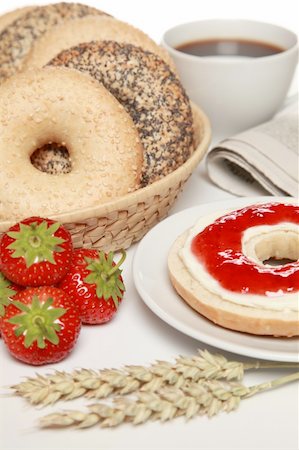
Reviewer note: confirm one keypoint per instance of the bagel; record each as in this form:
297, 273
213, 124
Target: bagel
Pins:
52, 158
86, 29
150, 92
17, 39
218, 268
66, 107
11, 16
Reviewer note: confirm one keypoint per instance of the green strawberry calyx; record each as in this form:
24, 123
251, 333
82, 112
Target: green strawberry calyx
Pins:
36, 242
106, 276
37, 322
5, 293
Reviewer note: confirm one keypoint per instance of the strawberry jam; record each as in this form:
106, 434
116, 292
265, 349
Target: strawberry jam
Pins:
218, 247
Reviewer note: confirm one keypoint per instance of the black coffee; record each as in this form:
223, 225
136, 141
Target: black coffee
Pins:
229, 47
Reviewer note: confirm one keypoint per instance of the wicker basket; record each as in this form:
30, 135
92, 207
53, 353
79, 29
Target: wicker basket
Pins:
123, 221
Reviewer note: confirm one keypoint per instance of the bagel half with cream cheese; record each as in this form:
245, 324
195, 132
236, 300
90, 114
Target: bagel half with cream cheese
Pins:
235, 297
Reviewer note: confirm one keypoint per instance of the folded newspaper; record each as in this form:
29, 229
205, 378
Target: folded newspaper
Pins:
261, 160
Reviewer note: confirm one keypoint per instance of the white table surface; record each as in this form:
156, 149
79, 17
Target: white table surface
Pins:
136, 335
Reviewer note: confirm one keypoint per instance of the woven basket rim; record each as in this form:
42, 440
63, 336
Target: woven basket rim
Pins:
140, 194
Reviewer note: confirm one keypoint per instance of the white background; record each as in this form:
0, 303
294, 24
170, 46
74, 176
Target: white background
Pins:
136, 336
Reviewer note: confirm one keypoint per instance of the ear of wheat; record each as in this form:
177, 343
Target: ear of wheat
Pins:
45, 390
209, 397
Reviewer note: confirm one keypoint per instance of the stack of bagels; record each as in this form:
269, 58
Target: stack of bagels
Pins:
91, 109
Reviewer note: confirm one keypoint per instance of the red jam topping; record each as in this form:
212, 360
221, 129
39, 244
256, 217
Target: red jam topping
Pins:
218, 247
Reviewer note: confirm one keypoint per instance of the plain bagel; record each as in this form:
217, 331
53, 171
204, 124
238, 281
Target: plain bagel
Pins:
66, 107
248, 310
150, 92
86, 29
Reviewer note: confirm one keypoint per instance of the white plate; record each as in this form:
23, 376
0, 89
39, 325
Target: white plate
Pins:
154, 287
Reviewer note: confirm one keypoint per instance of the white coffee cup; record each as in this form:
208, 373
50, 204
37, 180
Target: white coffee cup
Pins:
236, 92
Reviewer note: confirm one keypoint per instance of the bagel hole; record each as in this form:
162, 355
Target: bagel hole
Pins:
279, 251
278, 262
52, 158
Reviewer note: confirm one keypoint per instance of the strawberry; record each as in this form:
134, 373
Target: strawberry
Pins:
7, 291
95, 284
36, 252
41, 325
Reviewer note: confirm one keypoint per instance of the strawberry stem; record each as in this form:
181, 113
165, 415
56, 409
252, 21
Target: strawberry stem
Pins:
38, 321
5, 293
106, 276
35, 241
117, 266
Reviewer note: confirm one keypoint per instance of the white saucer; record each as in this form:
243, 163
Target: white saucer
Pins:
154, 287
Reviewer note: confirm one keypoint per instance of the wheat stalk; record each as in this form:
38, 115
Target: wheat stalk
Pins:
48, 389
209, 397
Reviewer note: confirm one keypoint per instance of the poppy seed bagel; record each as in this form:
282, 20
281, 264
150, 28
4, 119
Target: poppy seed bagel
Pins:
87, 29
52, 158
149, 91
17, 39
11, 16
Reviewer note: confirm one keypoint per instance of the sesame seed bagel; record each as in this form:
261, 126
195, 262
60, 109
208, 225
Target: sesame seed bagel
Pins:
150, 92
11, 16
86, 29
17, 39
66, 107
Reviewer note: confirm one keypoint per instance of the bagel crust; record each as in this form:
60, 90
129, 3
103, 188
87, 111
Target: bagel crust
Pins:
223, 312
87, 29
150, 92
68, 108
17, 39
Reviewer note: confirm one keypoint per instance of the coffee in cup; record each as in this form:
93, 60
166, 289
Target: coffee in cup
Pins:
238, 71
